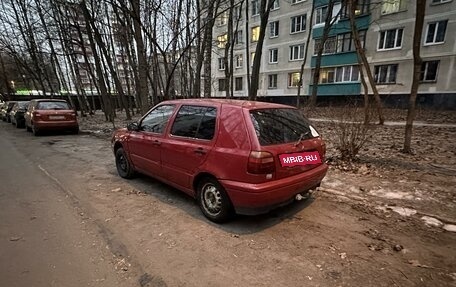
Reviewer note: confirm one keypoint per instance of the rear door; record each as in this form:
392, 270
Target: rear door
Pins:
192, 136
287, 133
144, 145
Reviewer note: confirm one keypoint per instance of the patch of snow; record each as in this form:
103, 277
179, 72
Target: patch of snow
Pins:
332, 182
404, 211
391, 194
431, 221
449, 227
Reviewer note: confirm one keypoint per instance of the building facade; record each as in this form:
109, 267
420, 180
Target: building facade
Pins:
386, 33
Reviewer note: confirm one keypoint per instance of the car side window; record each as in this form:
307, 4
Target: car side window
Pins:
195, 122
156, 120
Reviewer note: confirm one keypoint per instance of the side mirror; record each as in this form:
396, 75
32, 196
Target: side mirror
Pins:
134, 126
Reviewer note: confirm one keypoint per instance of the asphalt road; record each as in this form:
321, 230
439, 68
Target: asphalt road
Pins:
45, 240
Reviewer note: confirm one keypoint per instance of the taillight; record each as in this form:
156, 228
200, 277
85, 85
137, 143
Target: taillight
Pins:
261, 162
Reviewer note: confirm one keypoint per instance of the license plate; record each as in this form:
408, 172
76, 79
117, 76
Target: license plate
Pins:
56, 117
301, 158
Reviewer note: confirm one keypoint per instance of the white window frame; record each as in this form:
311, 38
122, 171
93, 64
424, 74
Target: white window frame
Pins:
294, 26
436, 29
221, 64
296, 1
290, 83
272, 81
239, 60
393, 6
426, 70
274, 29
238, 39
397, 45
319, 17
256, 34
223, 18
378, 71
255, 7
300, 52
273, 56
437, 2
275, 5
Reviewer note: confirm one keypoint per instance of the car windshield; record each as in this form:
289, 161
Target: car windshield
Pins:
278, 126
53, 106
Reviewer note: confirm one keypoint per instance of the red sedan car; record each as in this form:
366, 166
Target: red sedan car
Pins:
233, 156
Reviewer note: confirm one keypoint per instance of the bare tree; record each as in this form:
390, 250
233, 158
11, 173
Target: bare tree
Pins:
417, 61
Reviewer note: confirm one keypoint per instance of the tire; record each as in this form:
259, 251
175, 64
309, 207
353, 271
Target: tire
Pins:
124, 168
213, 201
75, 131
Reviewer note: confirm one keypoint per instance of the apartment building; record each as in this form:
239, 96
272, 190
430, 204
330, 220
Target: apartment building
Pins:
386, 33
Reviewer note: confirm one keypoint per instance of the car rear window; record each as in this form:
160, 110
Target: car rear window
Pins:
277, 126
22, 104
195, 122
53, 106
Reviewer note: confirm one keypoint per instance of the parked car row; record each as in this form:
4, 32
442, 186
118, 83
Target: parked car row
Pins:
232, 156
40, 115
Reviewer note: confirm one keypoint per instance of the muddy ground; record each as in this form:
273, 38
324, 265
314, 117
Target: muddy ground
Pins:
385, 219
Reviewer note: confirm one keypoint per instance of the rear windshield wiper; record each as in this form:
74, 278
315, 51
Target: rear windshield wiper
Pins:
301, 137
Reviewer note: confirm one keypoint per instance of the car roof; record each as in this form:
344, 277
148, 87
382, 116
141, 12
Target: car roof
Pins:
250, 105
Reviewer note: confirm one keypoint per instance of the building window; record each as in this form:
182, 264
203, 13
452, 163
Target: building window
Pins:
297, 52
436, 32
221, 64
296, 1
274, 29
237, 13
238, 37
221, 40
273, 56
238, 84
252, 58
429, 71
345, 41
298, 23
255, 33
321, 14
361, 8
386, 74
221, 85
239, 59
393, 6
223, 18
342, 74
293, 79
390, 39
275, 5
440, 1
330, 46
255, 7
272, 81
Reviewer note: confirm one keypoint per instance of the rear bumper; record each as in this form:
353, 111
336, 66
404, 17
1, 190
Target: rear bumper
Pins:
253, 199
55, 125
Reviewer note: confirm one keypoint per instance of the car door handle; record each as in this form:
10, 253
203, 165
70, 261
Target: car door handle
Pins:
200, 150
156, 142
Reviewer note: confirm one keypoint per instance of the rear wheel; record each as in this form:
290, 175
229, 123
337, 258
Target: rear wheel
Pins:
124, 168
213, 201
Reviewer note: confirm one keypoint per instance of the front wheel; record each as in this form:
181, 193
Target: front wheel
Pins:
213, 201
124, 168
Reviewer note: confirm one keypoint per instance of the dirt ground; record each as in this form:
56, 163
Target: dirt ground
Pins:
386, 219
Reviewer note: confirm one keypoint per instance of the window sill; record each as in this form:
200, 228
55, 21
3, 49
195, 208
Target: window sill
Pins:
385, 84
273, 37
392, 13
389, 49
298, 32
273, 63
440, 3
433, 44
298, 2
428, 82
295, 60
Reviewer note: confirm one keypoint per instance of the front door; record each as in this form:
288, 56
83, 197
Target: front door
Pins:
145, 144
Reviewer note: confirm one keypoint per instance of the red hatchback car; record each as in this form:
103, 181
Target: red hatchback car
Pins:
232, 156
50, 114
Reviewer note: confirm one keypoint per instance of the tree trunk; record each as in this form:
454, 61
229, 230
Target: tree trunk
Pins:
419, 22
